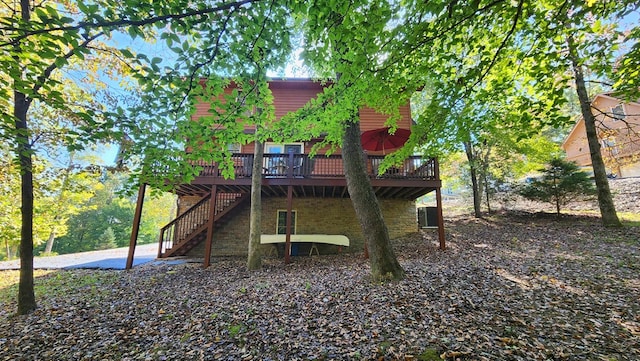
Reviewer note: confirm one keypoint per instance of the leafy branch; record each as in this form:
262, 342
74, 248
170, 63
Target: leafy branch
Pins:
86, 25
42, 79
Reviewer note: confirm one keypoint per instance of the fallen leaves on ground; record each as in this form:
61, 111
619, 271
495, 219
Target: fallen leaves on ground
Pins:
509, 287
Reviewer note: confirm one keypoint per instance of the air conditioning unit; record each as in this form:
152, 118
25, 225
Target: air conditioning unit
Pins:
427, 217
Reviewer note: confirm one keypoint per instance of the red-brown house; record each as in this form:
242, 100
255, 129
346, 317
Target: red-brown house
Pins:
214, 211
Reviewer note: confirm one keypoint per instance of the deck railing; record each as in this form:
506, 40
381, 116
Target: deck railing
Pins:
181, 229
321, 166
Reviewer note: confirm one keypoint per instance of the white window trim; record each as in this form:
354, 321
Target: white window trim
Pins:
294, 214
235, 148
617, 117
267, 144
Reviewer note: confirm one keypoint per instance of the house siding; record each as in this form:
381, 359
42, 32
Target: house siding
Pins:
291, 95
314, 216
623, 157
577, 148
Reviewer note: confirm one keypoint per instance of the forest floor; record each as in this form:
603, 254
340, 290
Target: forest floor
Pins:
515, 285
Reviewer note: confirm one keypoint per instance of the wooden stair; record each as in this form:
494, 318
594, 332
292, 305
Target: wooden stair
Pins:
190, 228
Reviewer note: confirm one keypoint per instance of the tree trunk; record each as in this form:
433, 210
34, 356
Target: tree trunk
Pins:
26, 296
52, 237
485, 176
383, 261
556, 193
477, 197
605, 200
57, 218
254, 257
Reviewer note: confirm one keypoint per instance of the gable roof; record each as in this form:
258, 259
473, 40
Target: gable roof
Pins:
608, 96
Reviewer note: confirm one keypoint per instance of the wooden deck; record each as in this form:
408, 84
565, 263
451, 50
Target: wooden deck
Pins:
321, 176
288, 175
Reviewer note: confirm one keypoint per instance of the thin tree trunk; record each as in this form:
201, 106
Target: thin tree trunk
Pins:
63, 188
26, 296
468, 148
486, 193
383, 261
605, 200
485, 177
52, 237
254, 257
556, 192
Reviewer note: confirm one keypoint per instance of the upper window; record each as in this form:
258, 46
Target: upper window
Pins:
279, 148
235, 147
618, 112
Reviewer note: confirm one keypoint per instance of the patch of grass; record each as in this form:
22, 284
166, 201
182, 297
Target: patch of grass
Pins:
629, 219
9, 283
235, 329
54, 283
429, 354
49, 254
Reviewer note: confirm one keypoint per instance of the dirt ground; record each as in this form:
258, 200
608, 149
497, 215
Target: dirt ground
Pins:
513, 286
625, 191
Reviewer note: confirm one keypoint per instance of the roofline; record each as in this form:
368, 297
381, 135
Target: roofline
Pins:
612, 97
573, 130
608, 95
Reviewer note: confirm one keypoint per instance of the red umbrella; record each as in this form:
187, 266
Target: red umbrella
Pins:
380, 139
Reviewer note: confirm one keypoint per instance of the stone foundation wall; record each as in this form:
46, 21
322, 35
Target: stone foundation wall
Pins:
314, 216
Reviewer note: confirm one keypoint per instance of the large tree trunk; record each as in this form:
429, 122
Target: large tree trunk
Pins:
605, 200
254, 257
473, 171
26, 296
383, 261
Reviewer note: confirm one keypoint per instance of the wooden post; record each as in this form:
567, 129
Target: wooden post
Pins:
287, 242
367, 164
440, 218
210, 225
136, 226
436, 169
371, 173
290, 165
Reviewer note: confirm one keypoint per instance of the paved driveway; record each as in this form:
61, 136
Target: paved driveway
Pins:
108, 259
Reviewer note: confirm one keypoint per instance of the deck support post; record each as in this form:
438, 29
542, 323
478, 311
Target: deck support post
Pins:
136, 225
287, 241
440, 218
210, 226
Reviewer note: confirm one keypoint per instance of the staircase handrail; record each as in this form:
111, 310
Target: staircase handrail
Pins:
168, 234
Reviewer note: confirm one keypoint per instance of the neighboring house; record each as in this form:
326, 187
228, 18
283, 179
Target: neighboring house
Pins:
618, 125
312, 190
